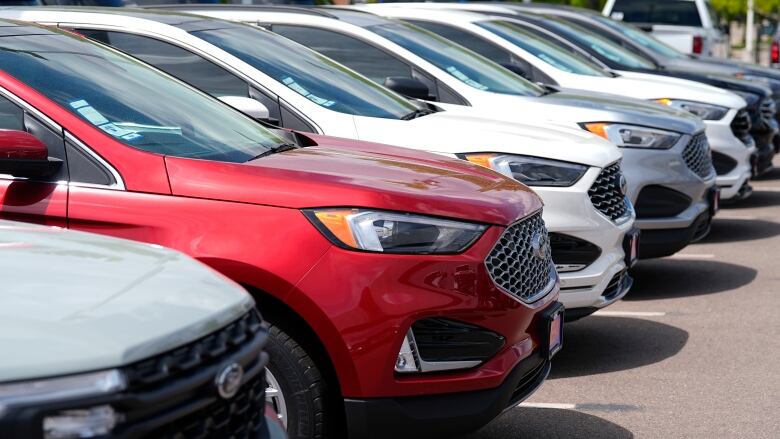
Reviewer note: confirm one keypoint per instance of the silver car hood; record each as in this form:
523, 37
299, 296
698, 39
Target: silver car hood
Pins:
74, 302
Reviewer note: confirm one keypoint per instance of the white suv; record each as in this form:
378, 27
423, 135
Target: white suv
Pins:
105, 337
576, 173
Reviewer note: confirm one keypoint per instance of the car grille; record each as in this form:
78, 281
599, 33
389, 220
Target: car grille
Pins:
617, 284
697, 156
174, 395
741, 125
515, 266
723, 164
606, 193
768, 110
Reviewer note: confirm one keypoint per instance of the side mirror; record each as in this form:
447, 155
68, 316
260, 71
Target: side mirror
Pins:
24, 155
409, 87
514, 68
248, 106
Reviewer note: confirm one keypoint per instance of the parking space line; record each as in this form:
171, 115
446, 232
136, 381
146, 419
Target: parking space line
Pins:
607, 313
735, 217
547, 405
766, 188
692, 256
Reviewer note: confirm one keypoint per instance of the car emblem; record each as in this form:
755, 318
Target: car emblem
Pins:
540, 242
623, 185
228, 381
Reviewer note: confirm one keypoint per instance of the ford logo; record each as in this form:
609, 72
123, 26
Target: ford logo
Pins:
228, 380
540, 243
623, 185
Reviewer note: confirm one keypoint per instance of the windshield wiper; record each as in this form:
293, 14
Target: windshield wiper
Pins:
274, 150
420, 112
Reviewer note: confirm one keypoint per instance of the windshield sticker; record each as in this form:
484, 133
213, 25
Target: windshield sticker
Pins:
131, 137
79, 104
289, 82
463, 78
114, 130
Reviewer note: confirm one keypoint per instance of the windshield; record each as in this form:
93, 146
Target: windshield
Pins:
468, 67
600, 45
544, 50
313, 76
642, 38
130, 101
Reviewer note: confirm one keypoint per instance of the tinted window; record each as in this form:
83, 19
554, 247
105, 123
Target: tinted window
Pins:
11, 115
641, 38
131, 102
180, 63
466, 66
602, 47
466, 39
542, 49
351, 52
313, 76
676, 12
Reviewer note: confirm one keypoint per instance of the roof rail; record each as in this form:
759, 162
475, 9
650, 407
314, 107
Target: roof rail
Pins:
270, 8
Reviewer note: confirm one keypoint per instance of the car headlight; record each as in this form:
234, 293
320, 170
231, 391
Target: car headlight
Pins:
392, 232
704, 111
532, 171
98, 420
633, 136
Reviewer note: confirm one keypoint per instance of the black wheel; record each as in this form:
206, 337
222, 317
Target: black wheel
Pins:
296, 387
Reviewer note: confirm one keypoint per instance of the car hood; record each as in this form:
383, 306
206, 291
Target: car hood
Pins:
580, 106
335, 172
647, 86
75, 302
454, 132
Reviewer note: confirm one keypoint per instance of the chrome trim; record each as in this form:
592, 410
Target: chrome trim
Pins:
434, 366
120, 183
27, 107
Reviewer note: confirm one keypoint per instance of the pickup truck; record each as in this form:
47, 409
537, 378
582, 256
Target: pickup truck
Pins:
690, 26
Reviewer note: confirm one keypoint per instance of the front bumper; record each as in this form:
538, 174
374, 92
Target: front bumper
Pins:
723, 141
443, 415
667, 169
569, 211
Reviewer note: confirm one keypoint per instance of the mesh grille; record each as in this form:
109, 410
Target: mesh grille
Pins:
697, 156
516, 267
768, 109
741, 124
606, 193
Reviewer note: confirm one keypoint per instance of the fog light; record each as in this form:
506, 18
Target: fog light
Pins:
407, 360
91, 422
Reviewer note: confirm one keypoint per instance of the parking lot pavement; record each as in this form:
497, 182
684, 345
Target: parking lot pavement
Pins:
692, 352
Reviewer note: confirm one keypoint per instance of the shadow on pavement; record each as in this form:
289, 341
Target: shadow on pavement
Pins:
673, 278
774, 174
735, 230
597, 345
546, 423
758, 199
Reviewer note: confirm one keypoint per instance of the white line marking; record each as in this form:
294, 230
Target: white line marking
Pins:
629, 313
735, 217
545, 405
692, 256
766, 188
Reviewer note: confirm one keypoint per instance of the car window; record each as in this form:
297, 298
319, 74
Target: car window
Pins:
11, 115
639, 37
310, 74
178, 62
135, 104
485, 48
543, 49
675, 12
595, 43
466, 66
353, 53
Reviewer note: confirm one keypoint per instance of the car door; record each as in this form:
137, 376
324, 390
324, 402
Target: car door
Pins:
43, 201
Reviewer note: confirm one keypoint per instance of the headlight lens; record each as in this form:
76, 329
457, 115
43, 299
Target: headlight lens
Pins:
632, 136
391, 232
532, 171
87, 422
704, 111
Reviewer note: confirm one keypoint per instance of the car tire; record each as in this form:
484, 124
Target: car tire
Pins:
301, 383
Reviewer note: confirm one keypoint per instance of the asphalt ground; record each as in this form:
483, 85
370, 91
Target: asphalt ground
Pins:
691, 352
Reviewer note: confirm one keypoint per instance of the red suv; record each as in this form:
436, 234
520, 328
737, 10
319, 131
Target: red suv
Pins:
409, 294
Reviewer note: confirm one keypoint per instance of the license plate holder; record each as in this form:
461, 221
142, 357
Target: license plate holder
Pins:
554, 325
631, 247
